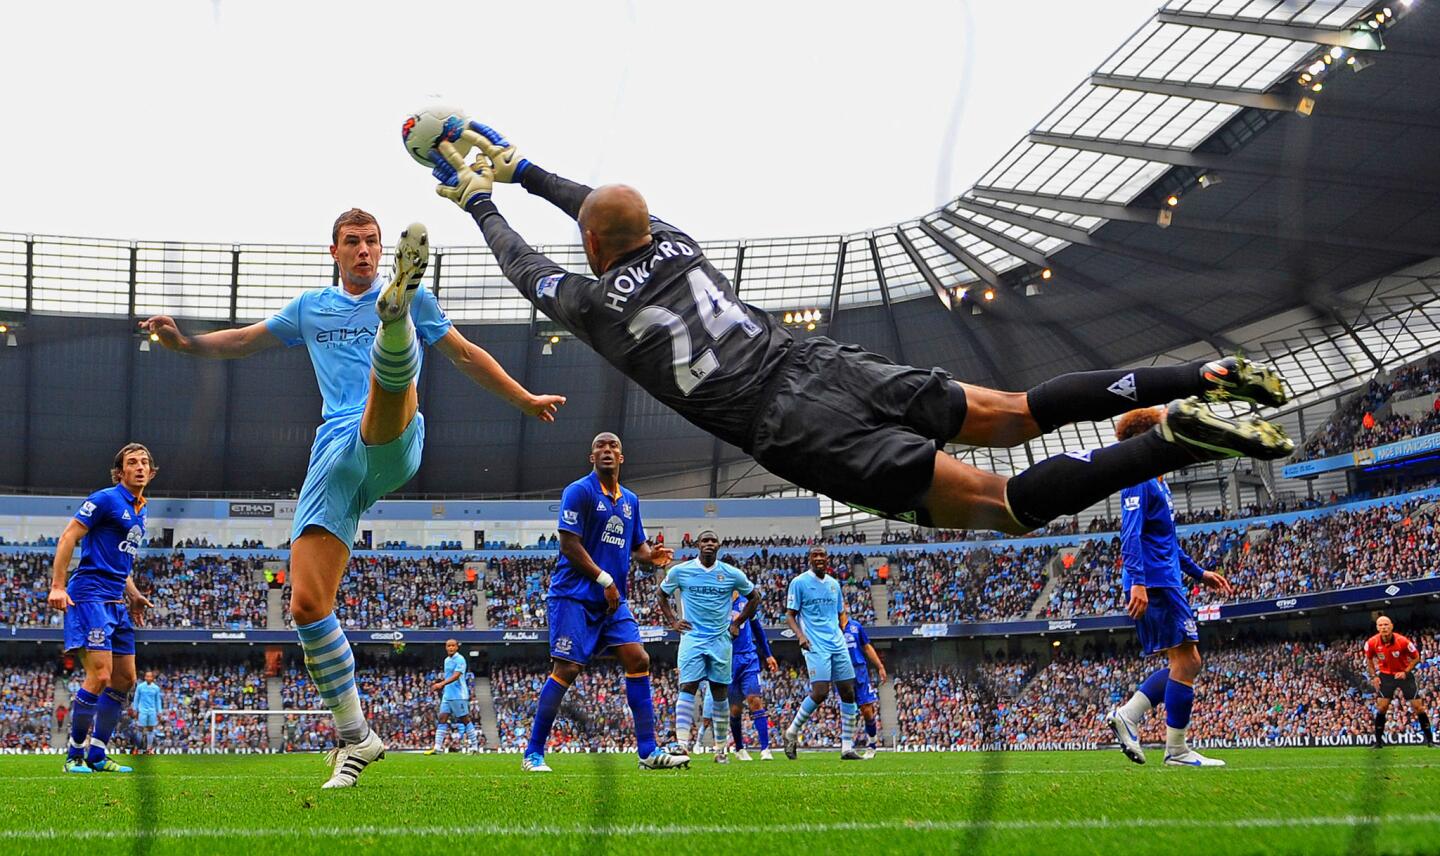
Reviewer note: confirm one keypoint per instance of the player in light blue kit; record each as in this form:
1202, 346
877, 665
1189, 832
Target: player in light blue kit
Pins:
601, 533
1153, 562
102, 605
363, 337
147, 709
815, 612
707, 588
862, 657
454, 689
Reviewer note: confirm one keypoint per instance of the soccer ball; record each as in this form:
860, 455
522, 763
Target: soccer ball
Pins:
423, 130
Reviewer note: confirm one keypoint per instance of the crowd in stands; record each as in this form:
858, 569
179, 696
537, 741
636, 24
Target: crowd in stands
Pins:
953, 707
979, 584
594, 716
1355, 426
390, 591
27, 707
189, 690
206, 591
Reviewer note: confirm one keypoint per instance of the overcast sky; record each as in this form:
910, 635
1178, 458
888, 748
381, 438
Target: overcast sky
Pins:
259, 121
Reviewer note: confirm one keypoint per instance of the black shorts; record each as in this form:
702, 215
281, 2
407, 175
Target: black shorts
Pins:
856, 427
1389, 684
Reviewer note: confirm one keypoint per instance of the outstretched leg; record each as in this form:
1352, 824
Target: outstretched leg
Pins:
395, 356
994, 418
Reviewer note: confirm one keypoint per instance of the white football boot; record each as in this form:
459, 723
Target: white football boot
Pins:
1127, 734
1191, 758
348, 762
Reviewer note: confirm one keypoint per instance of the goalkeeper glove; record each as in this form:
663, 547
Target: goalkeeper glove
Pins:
471, 184
509, 166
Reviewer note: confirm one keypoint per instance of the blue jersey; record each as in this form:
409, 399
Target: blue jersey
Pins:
457, 690
818, 603
751, 640
706, 594
856, 639
338, 329
610, 529
147, 697
1148, 543
115, 521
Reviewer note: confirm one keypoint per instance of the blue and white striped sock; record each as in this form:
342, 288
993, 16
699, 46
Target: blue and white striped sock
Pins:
395, 356
442, 731
720, 719
684, 718
332, 667
802, 716
849, 715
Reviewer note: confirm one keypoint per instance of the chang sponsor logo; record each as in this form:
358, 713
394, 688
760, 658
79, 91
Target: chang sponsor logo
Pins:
614, 532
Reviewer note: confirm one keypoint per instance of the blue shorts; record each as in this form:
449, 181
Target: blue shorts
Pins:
148, 719
864, 692
1167, 622
580, 630
825, 666
345, 476
99, 626
456, 707
704, 659
744, 678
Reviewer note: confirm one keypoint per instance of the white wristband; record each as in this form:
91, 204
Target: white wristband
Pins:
605, 581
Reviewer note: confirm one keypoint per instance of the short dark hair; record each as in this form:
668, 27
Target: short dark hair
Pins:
353, 217
118, 466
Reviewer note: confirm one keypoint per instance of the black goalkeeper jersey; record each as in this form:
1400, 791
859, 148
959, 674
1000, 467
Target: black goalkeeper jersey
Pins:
664, 316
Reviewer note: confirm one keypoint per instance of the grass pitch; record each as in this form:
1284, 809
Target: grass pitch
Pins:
1268, 800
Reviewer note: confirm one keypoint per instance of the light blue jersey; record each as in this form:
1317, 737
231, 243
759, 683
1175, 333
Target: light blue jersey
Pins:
706, 595
458, 690
147, 698
818, 604
338, 329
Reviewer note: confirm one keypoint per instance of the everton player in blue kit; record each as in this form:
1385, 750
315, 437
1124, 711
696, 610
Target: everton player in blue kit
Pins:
815, 612
454, 687
601, 531
749, 649
826, 415
1153, 563
363, 337
862, 657
102, 605
707, 588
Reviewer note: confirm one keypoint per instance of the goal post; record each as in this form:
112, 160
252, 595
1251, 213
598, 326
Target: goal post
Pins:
216, 713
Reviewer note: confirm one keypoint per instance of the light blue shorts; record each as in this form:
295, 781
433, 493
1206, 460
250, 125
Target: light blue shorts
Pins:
456, 707
345, 476
704, 659
825, 666
148, 719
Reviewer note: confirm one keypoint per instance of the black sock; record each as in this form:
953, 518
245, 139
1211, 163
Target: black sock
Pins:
1092, 396
1379, 725
1425, 726
1074, 481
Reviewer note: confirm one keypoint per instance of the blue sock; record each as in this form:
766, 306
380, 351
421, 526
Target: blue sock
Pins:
1154, 686
761, 718
642, 707
871, 726
684, 717
107, 715
331, 666
545, 711
1178, 700
737, 728
82, 715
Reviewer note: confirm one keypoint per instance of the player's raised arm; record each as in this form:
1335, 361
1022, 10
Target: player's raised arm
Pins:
511, 168
220, 344
486, 372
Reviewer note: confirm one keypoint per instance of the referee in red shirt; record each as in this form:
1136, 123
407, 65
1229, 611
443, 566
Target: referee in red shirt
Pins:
1389, 662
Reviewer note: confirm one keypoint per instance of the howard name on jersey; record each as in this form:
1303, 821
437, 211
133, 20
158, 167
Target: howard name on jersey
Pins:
666, 318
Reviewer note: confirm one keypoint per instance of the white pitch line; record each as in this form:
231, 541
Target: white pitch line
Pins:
1118, 769
681, 830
